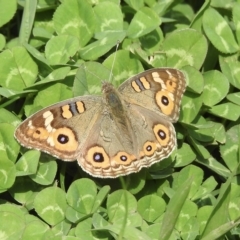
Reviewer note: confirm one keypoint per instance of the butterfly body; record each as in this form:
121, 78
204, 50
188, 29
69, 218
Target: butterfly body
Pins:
115, 134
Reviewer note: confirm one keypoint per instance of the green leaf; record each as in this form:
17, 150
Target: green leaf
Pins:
116, 230
193, 172
197, 21
12, 221
194, 78
191, 105
109, 17
83, 229
35, 229
219, 132
7, 92
129, 233
185, 47
7, 174
62, 228
153, 231
98, 221
151, 207
188, 211
75, 18
216, 87
24, 191
184, 156
229, 151
214, 165
89, 77
46, 171
173, 209
41, 33
81, 195
55, 75
150, 43
28, 163
120, 204
205, 189
100, 47
46, 98
17, 69
144, 21
9, 146
199, 148
160, 7
225, 4
226, 110
74, 216
191, 229
8, 117
219, 215
203, 215
35, 53
29, 11
220, 231
230, 67
207, 131
219, 32
126, 65
136, 182
234, 98
101, 196
234, 209
135, 4
50, 204
8, 9
236, 19
60, 49
2, 42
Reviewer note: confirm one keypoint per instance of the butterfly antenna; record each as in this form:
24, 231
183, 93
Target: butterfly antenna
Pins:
110, 76
87, 70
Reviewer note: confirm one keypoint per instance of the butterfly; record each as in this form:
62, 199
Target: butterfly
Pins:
118, 133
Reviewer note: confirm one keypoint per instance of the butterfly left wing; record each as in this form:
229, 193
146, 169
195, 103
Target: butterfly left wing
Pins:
158, 89
60, 129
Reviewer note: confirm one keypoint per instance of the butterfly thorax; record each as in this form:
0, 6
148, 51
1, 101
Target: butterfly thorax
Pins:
113, 102
112, 98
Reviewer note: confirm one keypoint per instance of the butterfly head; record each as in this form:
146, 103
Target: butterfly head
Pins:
107, 87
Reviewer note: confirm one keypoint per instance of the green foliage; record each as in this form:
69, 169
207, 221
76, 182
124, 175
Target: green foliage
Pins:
66, 48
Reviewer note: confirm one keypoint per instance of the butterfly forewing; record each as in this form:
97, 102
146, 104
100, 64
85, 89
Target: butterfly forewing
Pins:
159, 90
60, 129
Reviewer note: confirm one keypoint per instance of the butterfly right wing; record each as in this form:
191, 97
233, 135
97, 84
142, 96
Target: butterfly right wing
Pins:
158, 89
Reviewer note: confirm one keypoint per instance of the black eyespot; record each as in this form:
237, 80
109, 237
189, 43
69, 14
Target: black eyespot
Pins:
123, 158
162, 134
165, 100
149, 148
38, 131
63, 139
98, 157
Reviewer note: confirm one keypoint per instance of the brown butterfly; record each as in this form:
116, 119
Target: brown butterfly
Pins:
116, 134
